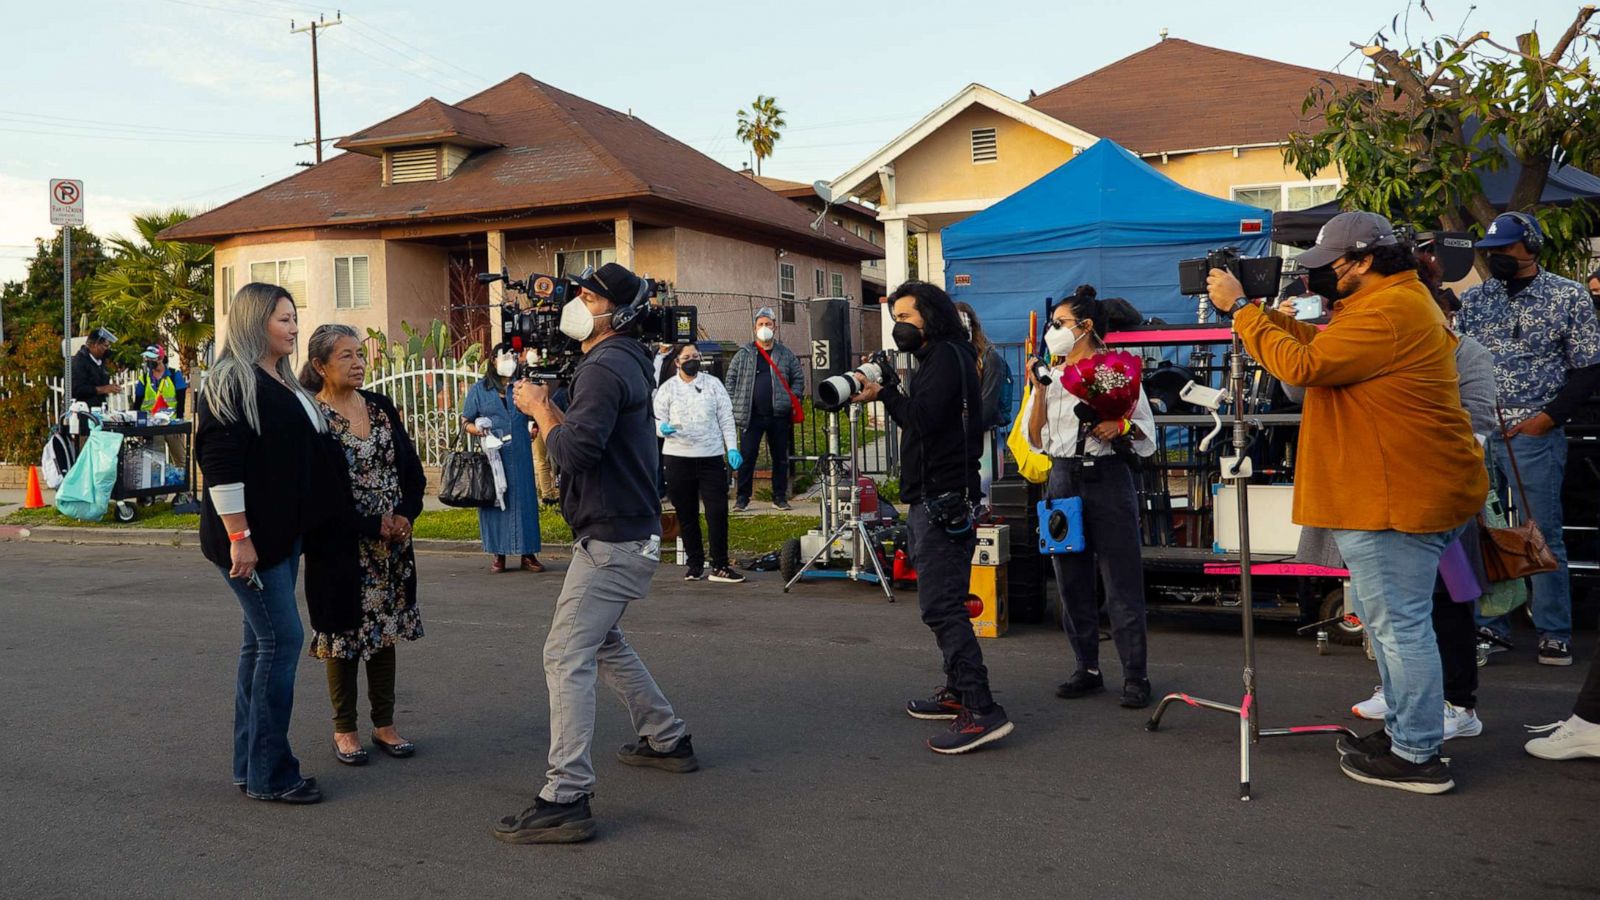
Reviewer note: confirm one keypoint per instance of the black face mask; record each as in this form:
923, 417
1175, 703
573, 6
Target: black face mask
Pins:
1595, 297
690, 367
1503, 266
1324, 281
907, 337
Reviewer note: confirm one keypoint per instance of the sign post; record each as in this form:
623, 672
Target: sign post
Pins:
66, 210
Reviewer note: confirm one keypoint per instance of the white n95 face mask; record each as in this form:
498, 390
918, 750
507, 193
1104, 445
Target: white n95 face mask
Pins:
505, 365
763, 334
1060, 341
576, 320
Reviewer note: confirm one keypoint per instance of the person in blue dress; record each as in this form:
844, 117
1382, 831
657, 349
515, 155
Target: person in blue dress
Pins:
513, 531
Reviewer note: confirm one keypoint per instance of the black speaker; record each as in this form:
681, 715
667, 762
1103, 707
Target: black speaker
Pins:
830, 338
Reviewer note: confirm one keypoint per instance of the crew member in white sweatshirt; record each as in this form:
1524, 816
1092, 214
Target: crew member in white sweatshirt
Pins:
695, 416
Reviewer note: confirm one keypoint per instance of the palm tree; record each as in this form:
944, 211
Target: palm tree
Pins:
758, 127
156, 287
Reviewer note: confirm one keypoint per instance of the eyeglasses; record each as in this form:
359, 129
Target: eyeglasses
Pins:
1063, 323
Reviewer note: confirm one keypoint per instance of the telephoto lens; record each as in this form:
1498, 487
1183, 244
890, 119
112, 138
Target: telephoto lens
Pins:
835, 393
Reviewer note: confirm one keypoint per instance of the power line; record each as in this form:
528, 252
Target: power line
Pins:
363, 23
49, 121
109, 136
227, 9
388, 65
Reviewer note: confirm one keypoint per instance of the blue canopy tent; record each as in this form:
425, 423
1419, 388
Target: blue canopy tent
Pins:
1104, 218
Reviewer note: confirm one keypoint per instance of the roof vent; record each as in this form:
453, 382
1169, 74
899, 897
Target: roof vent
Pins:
415, 164
985, 145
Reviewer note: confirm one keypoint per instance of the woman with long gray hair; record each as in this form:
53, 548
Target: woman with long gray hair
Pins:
258, 439
361, 573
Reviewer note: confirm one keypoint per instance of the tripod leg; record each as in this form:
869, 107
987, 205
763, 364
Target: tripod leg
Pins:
1245, 712
816, 556
865, 545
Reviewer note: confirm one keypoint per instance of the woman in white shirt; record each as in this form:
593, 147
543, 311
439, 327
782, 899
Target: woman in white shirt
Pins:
695, 417
1092, 461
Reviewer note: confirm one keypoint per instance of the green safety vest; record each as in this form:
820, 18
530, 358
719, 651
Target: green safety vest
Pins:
166, 391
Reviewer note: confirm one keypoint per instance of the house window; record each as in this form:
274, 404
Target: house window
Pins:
1287, 196
289, 274
786, 281
786, 310
352, 289
821, 283
225, 285
572, 263
985, 145
836, 284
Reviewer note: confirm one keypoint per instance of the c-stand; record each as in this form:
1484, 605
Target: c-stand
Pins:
838, 469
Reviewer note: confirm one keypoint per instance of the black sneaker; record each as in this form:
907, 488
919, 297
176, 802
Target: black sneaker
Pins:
781, 504
970, 731
1081, 684
944, 704
1554, 653
1136, 693
1390, 771
726, 575
548, 823
694, 573
741, 505
1374, 744
679, 759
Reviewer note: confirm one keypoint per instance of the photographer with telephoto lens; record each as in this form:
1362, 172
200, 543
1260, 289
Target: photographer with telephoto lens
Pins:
939, 483
605, 449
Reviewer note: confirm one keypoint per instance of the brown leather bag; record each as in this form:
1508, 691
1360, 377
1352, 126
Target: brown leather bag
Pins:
1518, 551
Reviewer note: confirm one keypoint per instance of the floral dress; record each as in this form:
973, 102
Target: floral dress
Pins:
387, 615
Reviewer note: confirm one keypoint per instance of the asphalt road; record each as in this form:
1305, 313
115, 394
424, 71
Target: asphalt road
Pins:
116, 671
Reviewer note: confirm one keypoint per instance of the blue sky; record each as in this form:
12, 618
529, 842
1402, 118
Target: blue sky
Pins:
155, 103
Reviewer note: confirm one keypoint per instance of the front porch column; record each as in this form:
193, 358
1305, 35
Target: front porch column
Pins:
496, 241
932, 264
894, 267
624, 229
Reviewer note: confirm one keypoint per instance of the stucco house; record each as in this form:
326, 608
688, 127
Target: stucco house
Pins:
525, 176
1212, 120
852, 216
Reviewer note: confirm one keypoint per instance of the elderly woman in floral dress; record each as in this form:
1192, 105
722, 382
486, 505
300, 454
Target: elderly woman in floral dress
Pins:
361, 579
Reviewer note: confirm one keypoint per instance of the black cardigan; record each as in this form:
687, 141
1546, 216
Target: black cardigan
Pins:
333, 562
278, 468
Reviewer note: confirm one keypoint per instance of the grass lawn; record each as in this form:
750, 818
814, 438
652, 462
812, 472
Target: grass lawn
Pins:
747, 535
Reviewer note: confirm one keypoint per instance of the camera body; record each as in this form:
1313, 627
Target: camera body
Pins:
834, 393
1040, 368
1258, 275
951, 511
543, 351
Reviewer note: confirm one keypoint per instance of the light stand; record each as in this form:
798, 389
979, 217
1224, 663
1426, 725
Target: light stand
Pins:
1237, 469
836, 467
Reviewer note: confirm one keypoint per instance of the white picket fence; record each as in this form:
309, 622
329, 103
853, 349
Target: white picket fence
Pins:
429, 394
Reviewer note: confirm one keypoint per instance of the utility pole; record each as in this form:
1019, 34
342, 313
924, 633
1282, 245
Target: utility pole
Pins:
321, 23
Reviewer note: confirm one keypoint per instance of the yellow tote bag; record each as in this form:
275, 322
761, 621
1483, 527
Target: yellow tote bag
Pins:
1033, 465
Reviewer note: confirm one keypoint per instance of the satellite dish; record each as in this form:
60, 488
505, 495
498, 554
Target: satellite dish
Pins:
824, 191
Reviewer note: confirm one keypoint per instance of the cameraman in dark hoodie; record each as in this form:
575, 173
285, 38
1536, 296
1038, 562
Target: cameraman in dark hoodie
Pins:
939, 483
605, 449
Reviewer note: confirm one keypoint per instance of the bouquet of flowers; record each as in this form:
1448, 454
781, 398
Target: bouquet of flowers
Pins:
1108, 382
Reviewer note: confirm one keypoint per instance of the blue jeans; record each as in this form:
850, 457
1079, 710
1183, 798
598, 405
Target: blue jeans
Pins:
1393, 573
1543, 462
264, 695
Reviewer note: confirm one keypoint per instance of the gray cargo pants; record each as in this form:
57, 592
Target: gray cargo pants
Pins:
585, 639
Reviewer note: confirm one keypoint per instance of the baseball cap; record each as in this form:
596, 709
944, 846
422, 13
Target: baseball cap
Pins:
1348, 232
614, 282
1508, 229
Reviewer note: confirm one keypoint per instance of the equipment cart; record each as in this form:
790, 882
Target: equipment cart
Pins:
145, 468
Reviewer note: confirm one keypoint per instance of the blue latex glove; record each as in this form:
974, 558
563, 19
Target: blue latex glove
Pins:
735, 458
667, 429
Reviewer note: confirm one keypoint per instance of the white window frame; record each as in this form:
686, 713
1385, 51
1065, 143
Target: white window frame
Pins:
1283, 189
353, 301
225, 285
819, 276
835, 284
596, 257
301, 298
992, 138
785, 273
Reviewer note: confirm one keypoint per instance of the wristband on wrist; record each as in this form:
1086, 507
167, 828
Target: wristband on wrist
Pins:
237, 536
1127, 426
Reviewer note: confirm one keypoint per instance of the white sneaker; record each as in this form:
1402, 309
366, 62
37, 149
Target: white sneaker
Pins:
1373, 707
1573, 738
1461, 722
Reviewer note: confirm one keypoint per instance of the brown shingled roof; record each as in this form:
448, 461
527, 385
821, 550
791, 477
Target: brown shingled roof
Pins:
428, 122
1178, 95
557, 151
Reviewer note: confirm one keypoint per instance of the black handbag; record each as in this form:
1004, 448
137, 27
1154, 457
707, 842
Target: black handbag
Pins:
467, 480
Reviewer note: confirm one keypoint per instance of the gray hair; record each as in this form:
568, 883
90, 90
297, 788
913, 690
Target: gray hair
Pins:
320, 349
230, 387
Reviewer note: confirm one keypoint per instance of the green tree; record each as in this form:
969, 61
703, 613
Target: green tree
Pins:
156, 289
38, 298
27, 359
759, 127
1402, 143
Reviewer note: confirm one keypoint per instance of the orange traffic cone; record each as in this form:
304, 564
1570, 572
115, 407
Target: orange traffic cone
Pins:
35, 498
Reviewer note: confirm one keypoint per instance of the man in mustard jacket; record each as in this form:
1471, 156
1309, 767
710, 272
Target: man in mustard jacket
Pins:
1387, 461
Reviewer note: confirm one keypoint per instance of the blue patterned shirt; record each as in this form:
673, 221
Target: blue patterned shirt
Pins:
1548, 329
